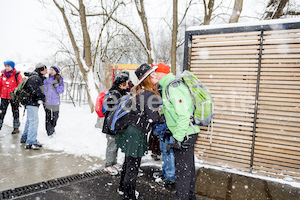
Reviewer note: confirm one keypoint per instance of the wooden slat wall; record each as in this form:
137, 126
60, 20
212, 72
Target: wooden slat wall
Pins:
228, 65
277, 143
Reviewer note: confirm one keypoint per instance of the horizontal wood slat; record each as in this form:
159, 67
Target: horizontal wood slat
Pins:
224, 39
227, 35
277, 150
273, 32
223, 57
205, 53
279, 164
236, 48
230, 43
278, 158
273, 167
285, 41
224, 61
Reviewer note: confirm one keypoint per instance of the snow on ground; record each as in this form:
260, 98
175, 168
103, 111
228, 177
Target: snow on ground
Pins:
76, 134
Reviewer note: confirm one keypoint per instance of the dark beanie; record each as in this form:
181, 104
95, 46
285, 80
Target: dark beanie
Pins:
121, 78
126, 72
56, 69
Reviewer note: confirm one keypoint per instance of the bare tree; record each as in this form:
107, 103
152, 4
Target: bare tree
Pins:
174, 36
141, 11
87, 47
236, 12
275, 8
208, 10
82, 45
177, 42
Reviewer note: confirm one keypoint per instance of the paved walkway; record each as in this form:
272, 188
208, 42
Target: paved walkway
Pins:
20, 167
67, 180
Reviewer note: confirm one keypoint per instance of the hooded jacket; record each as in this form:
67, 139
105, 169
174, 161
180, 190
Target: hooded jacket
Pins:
8, 84
118, 93
35, 88
52, 90
145, 113
179, 109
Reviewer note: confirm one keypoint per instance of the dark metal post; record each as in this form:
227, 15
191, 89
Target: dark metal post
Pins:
256, 100
187, 46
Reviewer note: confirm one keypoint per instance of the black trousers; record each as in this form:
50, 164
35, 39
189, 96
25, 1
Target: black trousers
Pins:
15, 111
129, 175
185, 174
52, 114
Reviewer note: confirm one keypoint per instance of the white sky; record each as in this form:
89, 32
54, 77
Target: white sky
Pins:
20, 36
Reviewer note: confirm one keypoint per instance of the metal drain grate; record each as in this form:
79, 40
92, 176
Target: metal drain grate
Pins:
38, 187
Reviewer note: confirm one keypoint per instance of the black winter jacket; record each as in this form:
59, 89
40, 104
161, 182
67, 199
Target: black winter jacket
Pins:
118, 93
34, 86
146, 113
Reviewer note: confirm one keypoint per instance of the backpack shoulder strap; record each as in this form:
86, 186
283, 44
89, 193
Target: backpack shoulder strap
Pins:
16, 77
174, 83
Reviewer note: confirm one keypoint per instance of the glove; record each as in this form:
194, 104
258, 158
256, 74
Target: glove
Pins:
161, 120
167, 135
185, 143
179, 145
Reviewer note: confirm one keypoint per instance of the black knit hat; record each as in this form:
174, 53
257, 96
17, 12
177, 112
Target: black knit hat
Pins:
121, 78
126, 72
143, 71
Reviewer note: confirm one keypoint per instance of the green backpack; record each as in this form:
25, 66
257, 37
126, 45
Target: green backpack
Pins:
203, 112
19, 95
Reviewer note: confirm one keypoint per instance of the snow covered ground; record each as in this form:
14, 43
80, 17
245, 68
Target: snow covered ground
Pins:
76, 134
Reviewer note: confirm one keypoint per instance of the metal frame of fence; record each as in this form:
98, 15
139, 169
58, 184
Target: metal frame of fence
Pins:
253, 73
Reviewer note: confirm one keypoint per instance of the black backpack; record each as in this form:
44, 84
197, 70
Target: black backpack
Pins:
20, 95
118, 119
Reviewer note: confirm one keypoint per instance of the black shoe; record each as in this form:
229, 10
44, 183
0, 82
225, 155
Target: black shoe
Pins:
164, 182
157, 175
15, 131
33, 146
155, 156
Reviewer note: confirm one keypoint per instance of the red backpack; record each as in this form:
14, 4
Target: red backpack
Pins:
99, 104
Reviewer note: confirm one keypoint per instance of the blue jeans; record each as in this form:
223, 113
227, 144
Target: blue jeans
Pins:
168, 158
31, 126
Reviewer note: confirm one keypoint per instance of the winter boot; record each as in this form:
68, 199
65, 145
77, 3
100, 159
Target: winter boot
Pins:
15, 131
33, 146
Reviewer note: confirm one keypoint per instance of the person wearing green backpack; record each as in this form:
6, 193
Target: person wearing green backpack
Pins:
178, 110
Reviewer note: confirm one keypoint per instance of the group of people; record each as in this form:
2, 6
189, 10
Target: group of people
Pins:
41, 91
169, 119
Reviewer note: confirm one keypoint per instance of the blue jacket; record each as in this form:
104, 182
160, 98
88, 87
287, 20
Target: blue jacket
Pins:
52, 90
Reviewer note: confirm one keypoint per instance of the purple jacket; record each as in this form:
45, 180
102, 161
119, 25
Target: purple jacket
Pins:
52, 90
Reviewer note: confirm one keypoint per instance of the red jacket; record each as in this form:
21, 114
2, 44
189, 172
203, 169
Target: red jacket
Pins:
8, 85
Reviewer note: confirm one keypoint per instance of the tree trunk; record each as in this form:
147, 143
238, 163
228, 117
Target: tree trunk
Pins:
208, 11
108, 73
279, 11
77, 54
141, 11
236, 12
275, 8
85, 34
174, 36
